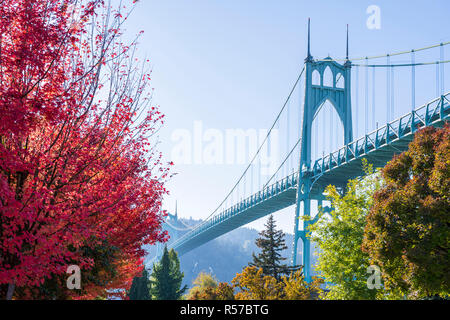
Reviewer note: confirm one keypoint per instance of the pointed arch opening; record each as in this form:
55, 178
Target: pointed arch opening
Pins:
316, 78
328, 78
299, 252
314, 248
327, 131
340, 81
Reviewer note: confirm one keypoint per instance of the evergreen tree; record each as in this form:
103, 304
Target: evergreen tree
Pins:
140, 288
167, 277
271, 242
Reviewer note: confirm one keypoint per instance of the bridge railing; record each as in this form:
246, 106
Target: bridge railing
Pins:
268, 191
437, 109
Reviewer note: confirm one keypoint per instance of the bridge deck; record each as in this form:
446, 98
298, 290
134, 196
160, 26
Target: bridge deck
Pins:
273, 198
337, 168
379, 146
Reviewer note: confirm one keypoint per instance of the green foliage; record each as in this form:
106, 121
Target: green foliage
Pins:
296, 288
341, 261
205, 280
252, 284
140, 288
271, 242
166, 277
224, 291
408, 228
206, 287
204, 283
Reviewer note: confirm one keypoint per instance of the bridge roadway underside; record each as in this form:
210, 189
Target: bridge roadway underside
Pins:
353, 168
378, 158
338, 175
247, 215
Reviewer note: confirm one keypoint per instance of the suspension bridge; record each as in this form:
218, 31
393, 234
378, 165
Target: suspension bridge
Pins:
323, 96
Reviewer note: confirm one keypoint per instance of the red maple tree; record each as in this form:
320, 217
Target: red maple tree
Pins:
81, 180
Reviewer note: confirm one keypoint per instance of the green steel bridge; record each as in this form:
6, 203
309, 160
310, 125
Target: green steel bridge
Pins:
308, 182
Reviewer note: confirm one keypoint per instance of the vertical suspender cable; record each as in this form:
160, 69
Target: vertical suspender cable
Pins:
336, 126
357, 101
259, 173
324, 134
392, 92
288, 133
373, 98
331, 140
277, 126
413, 80
388, 89
269, 139
437, 79
299, 125
442, 69
366, 109
316, 124
237, 194
245, 185
335, 130
316, 130
251, 178
232, 197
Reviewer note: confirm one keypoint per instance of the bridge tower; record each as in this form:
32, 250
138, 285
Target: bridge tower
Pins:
315, 95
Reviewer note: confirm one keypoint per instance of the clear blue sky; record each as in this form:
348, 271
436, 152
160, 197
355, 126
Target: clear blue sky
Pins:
231, 64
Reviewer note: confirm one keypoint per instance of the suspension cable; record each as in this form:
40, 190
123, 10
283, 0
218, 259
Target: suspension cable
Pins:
442, 44
399, 65
189, 227
296, 83
281, 165
178, 228
262, 144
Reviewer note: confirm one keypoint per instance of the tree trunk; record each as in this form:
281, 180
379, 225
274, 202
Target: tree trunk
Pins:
10, 292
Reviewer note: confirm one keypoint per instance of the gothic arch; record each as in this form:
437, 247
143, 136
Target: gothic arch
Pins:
328, 77
340, 81
316, 78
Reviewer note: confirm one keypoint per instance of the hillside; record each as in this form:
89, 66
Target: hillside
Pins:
224, 256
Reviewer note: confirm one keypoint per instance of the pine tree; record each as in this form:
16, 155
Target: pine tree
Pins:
271, 242
140, 288
166, 277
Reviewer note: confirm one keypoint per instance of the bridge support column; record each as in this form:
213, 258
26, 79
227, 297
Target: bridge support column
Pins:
316, 94
303, 197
